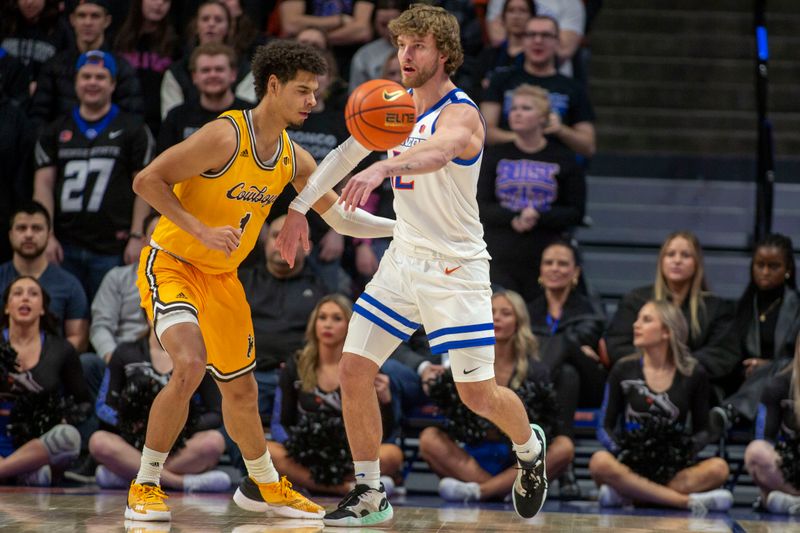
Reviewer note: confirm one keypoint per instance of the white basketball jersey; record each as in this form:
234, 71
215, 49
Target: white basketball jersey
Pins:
439, 211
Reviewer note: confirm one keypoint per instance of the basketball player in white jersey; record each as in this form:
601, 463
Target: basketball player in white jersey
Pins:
435, 273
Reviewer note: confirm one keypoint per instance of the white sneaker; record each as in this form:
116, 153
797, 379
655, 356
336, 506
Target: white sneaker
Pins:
41, 477
453, 490
608, 497
712, 500
211, 481
106, 479
781, 503
388, 485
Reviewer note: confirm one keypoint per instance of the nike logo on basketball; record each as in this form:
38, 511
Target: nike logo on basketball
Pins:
471, 371
449, 271
392, 96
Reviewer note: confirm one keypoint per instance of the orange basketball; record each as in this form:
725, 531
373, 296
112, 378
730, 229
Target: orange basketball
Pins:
380, 114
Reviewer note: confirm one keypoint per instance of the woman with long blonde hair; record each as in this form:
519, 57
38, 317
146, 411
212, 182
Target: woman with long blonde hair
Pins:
680, 279
773, 466
487, 470
660, 386
309, 384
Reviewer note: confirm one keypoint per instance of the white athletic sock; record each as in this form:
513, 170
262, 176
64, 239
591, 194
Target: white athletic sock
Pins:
527, 452
150, 467
368, 473
261, 469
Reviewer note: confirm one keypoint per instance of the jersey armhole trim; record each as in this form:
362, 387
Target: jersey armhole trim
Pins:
294, 159
217, 174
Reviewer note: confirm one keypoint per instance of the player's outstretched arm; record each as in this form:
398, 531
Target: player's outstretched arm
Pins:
208, 149
295, 228
459, 133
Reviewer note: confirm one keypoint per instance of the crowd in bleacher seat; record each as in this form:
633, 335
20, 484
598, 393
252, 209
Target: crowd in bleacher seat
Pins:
86, 86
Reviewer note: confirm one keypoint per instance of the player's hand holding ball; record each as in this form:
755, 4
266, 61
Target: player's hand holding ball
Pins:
380, 114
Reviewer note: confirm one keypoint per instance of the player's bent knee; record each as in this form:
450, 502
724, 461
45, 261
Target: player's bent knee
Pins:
354, 370
759, 453
719, 469
63, 444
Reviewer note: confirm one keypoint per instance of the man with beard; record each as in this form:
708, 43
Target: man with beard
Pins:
214, 191
435, 273
30, 228
213, 68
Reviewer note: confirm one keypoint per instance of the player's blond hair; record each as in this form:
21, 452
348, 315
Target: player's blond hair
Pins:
420, 20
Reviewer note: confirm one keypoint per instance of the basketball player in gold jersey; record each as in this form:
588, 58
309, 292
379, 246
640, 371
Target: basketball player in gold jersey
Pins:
214, 190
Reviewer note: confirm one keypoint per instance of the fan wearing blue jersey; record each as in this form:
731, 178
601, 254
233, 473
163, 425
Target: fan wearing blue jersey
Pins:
435, 273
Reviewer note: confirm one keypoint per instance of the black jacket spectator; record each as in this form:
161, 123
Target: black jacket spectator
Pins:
55, 88
712, 346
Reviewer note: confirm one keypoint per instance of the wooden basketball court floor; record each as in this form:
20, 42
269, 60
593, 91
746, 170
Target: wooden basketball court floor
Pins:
90, 510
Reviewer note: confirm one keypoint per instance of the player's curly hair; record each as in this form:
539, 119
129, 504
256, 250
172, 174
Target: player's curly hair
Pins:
420, 20
284, 59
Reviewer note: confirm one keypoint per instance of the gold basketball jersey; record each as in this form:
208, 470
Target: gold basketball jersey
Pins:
241, 195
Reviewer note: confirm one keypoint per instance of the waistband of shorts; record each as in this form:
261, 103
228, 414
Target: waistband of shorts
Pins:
423, 252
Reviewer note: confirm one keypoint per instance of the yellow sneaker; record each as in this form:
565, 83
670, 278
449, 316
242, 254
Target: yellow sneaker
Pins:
146, 502
277, 498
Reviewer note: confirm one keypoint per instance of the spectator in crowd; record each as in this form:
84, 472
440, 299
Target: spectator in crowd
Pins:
309, 386
764, 331
138, 370
117, 315
149, 43
348, 25
245, 36
654, 392
86, 161
30, 228
368, 62
15, 80
281, 298
56, 94
33, 32
212, 24
771, 459
16, 145
46, 365
571, 18
510, 51
486, 470
531, 193
680, 279
570, 123
569, 330
213, 67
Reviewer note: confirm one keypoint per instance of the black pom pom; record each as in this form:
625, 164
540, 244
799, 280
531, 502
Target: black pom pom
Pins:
541, 403
319, 443
8, 361
462, 424
658, 449
135, 401
34, 414
789, 462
